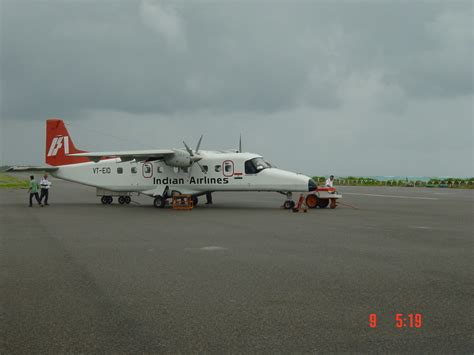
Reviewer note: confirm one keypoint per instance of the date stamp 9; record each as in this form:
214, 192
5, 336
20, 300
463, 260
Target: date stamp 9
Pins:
400, 320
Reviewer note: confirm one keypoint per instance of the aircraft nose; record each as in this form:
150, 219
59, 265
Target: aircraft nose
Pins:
311, 185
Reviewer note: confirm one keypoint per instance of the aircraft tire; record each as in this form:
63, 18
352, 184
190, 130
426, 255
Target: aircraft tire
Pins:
121, 200
110, 199
312, 201
159, 202
323, 202
128, 199
289, 204
104, 200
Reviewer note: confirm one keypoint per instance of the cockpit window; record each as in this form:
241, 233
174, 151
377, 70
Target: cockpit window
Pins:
256, 165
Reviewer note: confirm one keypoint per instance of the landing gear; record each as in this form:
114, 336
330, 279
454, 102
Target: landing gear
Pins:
159, 202
195, 201
106, 200
289, 203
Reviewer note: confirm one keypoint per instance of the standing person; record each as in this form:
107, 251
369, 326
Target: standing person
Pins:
33, 190
45, 185
208, 198
330, 181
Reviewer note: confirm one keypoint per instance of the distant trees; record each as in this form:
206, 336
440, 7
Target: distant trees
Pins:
369, 181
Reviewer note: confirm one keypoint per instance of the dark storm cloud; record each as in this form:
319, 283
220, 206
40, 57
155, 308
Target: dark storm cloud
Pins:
362, 87
60, 58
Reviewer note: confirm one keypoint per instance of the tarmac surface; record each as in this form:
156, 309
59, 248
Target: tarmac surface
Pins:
241, 275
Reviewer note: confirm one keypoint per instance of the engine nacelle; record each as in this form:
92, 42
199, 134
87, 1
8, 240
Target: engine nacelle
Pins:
179, 159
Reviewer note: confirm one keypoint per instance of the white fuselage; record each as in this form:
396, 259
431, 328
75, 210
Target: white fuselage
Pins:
225, 171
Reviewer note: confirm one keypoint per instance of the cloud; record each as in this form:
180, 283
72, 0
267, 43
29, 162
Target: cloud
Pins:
341, 75
163, 18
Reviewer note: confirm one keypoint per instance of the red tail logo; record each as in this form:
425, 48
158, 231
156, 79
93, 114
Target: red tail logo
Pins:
59, 145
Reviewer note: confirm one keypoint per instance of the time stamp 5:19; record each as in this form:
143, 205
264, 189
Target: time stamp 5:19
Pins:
409, 320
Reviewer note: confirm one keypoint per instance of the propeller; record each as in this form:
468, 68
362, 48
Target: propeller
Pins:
194, 156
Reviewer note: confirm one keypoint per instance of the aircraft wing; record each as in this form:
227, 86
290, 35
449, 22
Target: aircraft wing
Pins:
127, 154
31, 168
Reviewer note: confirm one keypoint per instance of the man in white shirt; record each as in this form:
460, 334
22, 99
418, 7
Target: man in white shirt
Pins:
329, 182
45, 184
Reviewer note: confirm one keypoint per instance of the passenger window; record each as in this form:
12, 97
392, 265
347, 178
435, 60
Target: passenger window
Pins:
184, 170
205, 168
176, 170
134, 170
217, 168
119, 170
159, 169
147, 169
228, 168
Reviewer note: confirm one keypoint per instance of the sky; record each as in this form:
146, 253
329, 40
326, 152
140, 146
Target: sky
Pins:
317, 87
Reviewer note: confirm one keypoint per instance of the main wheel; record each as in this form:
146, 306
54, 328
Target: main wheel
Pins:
323, 202
104, 200
195, 201
311, 201
121, 200
289, 204
159, 202
110, 199
128, 199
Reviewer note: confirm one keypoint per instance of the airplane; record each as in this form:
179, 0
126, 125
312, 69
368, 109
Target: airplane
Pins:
161, 173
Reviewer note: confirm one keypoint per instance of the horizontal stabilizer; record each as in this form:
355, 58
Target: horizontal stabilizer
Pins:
31, 168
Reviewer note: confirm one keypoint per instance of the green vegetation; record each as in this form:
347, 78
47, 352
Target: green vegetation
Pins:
458, 183
12, 182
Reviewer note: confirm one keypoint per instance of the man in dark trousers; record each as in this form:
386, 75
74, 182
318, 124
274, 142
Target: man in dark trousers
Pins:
208, 198
33, 190
45, 184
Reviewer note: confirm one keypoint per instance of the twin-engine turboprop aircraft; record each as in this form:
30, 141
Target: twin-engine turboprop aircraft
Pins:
160, 173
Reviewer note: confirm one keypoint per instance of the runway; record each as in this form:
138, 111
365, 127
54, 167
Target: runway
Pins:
241, 275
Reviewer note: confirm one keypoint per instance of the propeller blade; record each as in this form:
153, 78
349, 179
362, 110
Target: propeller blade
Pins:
188, 149
190, 170
240, 143
199, 144
202, 168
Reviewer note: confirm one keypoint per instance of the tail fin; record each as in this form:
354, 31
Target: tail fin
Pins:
59, 145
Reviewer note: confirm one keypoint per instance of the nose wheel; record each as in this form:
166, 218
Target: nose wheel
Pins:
289, 203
